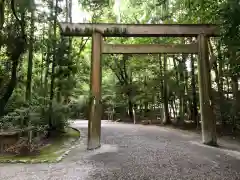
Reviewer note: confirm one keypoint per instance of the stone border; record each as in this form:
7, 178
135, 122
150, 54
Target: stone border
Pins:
58, 159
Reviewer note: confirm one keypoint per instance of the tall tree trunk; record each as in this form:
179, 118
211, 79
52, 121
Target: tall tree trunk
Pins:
219, 80
161, 86
130, 96
235, 101
181, 85
213, 63
47, 64
70, 10
228, 83
11, 85
70, 18
42, 63
69, 42
2, 13
51, 126
67, 10
234, 78
186, 100
145, 101
194, 93
2, 18
30, 59
54, 53
177, 80
220, 89
48, 57
175, 106
14, 57
173, 109
165, 93
130, 108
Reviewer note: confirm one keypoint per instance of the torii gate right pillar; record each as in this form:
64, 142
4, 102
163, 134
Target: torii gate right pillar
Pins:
208, 119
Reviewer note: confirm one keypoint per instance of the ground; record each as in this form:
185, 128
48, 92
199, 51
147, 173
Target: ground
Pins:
136, 152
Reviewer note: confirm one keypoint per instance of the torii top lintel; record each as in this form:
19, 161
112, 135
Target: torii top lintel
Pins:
139, 30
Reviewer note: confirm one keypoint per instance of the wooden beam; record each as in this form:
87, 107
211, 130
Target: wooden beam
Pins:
94, 120
150, 49
139, 30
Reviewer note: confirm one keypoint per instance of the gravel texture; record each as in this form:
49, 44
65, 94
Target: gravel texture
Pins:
136, 152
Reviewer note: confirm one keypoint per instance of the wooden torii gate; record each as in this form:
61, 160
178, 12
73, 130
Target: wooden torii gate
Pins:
98, 31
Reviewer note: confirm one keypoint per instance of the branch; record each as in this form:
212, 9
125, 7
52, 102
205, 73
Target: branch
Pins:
1, 21
125, 58
136, 19
118, 77
83, 44
213, 58
1, 13
20, 21
122, 73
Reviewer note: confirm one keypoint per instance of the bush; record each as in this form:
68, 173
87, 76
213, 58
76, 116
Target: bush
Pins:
14, 102
37, 115
15, 119
79, 109
60, 114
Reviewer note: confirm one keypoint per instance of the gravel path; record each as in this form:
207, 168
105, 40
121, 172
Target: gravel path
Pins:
136, 152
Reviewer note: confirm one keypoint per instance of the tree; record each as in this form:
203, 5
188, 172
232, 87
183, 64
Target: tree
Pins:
30, 56
15, 50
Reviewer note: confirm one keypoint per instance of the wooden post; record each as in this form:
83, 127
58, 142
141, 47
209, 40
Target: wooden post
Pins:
94, 122
208, 119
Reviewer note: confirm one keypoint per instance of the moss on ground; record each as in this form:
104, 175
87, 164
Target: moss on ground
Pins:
50, 152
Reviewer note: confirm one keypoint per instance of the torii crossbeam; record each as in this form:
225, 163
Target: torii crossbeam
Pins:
98, 31
139, 30
150, 48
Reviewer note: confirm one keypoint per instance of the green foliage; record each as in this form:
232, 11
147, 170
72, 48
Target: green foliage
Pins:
229, 12
35, 114
79, 109
60, 114
94, 3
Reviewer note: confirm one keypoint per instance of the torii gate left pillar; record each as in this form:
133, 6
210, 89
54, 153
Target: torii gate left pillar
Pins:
95, 113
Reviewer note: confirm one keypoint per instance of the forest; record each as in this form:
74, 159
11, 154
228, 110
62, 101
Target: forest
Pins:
44, 77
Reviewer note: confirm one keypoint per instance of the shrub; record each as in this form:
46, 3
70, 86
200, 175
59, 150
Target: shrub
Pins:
78, 109
37, 115
60, 114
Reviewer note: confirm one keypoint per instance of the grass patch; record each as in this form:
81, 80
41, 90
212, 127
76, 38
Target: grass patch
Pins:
51, 151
